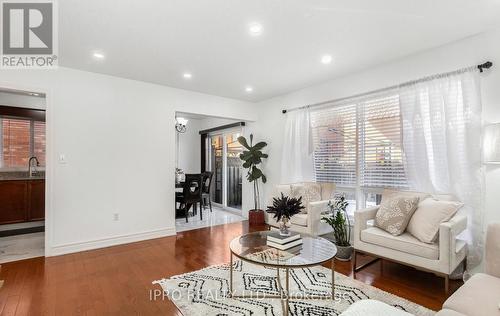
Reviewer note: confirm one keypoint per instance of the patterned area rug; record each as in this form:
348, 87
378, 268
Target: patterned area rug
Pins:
204, 292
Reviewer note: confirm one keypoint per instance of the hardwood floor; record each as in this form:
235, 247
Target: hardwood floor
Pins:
117, 280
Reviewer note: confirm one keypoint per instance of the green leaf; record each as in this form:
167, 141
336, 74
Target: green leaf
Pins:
264, 179
264, 156
245, 155
256, 172
255, 160
258, 153
247, 164
243, 142
259, 146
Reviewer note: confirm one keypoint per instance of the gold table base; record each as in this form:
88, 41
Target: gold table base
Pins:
284, 297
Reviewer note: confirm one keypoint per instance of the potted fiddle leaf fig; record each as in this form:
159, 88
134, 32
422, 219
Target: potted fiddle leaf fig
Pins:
339, 220
252, 157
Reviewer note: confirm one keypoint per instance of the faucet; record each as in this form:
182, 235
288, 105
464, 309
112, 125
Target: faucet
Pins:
31, 169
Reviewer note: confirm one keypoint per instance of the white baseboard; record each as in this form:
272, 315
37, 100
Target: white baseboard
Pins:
107, 242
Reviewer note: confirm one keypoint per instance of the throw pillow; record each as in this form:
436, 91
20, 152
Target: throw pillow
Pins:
393, 215
424, 224
310, 192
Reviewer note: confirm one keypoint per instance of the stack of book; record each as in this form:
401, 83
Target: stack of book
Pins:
277, 241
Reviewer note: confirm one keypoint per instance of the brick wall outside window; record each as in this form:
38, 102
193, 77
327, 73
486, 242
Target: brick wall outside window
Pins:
21, 139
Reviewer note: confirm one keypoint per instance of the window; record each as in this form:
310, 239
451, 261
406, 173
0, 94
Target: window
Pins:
357, 146
379, 142
19, 140
334, 138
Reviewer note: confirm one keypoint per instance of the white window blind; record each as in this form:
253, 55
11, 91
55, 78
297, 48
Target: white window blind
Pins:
358, 144
379, 141
334, 138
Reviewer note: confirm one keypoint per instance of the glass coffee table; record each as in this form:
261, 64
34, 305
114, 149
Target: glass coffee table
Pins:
252, 248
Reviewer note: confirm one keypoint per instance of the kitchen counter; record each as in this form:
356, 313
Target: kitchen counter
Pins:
20, 175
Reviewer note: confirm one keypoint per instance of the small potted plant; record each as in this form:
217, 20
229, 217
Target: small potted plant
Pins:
339, 220
283, 209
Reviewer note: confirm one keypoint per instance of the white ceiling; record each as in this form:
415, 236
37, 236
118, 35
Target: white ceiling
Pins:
158, 40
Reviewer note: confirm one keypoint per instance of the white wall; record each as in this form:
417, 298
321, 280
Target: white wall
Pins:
471, 51
119, 142
189, 156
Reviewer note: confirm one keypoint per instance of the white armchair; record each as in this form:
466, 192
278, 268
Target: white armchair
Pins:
441, 257
315, 197
480, 295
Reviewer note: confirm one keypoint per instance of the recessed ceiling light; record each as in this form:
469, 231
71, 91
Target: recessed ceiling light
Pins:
255, 29
326, 59
248, 89
98, 55
187, 75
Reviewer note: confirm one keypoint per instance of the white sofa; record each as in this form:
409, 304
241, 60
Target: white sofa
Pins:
441, 257
308, 222
480, 296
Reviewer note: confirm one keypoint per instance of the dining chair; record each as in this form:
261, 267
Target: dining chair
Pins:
206, 187
191, 194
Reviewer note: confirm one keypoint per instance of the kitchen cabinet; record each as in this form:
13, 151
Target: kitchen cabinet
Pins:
13, 198
36, 200
22, 200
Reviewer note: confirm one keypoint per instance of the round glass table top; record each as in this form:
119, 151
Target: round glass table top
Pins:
253, 247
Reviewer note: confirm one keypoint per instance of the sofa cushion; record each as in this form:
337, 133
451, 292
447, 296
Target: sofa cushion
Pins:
492, 251
310, 192
327, 190
445, 197
479, 296
430, 213
286, 189
388, 194
393, 215
299, 219
277, 190
448, 312
373, 308
405, 243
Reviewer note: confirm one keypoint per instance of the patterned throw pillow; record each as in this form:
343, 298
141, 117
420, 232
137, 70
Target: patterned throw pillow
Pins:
394, 215
310, 192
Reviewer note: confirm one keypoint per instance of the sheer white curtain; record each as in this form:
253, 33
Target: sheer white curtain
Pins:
441, 126
297, 158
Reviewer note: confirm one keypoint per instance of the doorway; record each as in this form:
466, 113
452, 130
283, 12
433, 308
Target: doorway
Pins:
22, 174
207, 148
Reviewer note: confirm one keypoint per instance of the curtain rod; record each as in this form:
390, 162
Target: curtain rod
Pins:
480, 67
